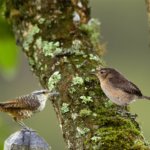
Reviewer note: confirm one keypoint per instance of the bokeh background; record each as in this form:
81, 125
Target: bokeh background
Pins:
124, 27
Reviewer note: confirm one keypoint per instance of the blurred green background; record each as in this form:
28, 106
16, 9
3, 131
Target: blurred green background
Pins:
124, 27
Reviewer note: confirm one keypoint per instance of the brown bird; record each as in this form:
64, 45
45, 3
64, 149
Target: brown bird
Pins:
117, 88
26, 106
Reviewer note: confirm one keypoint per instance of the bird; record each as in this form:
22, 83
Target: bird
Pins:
26, 106
117, 88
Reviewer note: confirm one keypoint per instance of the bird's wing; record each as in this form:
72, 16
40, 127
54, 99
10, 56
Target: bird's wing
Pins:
26, 102
125, 85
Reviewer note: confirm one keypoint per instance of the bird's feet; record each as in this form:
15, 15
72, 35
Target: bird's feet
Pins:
124, 114
130, 115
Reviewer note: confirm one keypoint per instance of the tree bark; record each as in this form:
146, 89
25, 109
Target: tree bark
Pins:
61, 43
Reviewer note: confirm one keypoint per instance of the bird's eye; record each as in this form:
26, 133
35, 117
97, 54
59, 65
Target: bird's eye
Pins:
101, 72
44, 92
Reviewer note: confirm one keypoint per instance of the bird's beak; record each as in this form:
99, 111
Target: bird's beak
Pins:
95, 72
53, 93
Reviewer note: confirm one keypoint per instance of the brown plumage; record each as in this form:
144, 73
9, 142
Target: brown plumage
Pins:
26, 106
117, 88
20, 108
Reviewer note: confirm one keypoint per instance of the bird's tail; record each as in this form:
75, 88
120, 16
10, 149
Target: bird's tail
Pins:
146, 97
1, 105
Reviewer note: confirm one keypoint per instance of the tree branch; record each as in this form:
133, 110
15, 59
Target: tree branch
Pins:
61, 43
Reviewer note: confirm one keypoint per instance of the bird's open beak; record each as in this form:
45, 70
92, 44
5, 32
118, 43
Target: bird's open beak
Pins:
95, 72
53, 93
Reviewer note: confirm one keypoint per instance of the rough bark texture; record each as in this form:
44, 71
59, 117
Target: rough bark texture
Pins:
61, 43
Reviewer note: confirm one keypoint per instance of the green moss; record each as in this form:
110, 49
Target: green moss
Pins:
53, 80
77, 80
85, 112
65, 108
86, 99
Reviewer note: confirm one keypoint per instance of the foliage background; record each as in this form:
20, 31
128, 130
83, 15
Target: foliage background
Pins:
124, 28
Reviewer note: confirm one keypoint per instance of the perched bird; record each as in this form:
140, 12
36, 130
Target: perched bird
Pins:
26, 106
117, 88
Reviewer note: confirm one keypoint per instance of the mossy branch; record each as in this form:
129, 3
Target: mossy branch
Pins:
61, 43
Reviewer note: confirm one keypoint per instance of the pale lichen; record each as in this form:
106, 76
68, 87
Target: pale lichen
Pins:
86, 99
94, 114
92, 70
53, 80
72, 90
30, 37
65, 108
31, 61
92, 57
39, 42
109, 103
83, 131
39, 64
74, 116
51, 48
77, 80
87, 79
65, 59
95, 138
41, 20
